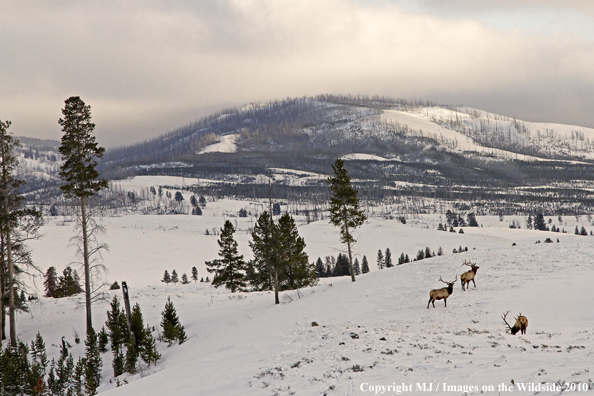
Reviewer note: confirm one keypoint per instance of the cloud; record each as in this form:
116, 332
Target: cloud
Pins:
147, 67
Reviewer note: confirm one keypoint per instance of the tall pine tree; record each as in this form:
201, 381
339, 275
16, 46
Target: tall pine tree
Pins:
364, 265
229, 270
80, 153
345, 211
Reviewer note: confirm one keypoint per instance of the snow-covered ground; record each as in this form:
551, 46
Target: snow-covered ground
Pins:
226, 145
374, 332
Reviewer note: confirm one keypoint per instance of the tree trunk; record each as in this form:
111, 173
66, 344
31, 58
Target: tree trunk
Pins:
276, 301
11, 313
2, 293
349, 249
83, 210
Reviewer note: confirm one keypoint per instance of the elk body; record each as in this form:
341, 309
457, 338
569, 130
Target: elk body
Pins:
443, 293
520, 325
468, 276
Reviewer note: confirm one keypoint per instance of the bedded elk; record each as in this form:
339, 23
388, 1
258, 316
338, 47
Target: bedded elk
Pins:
468, 276
443, 293
520, 325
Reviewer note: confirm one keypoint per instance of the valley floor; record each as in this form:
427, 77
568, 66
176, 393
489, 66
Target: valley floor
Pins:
374, 336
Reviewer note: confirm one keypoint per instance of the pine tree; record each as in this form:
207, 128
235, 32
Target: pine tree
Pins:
93, 363
344, 207
472, 220
440, 251
357, 267
296, 271
388, 259
174, 277
51, 282
320, 271
364, 265
12, 217
401, 259
539, 222
229, 269
172, 328
342, 265
380, 259
184, 280
194, 274
68, 284
166, 277
265, 264
80, 154
202, 201
428, 252
117, 326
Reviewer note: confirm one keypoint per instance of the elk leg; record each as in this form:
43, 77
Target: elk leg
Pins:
474, 283
445, 301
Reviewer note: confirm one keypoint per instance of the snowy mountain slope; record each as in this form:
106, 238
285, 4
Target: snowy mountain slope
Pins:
241, 344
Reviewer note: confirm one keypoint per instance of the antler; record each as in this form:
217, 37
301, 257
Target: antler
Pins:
467, 263
448, 283
503, 317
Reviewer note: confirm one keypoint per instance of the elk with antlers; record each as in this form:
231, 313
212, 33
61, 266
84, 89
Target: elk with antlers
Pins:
443, 293
520, 325
468, 276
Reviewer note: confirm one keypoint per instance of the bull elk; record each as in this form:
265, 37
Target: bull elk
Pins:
520, 325
443, 293
468, 276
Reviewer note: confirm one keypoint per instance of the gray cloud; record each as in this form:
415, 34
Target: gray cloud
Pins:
147, 67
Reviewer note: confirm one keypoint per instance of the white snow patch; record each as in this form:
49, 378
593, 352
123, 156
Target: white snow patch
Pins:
226, 145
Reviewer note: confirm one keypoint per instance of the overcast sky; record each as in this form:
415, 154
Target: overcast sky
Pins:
147, 67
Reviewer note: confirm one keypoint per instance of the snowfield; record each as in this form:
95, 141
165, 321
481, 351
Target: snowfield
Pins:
372, 334
226, 145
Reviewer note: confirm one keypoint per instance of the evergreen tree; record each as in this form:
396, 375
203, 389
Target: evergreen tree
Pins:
194, 274
166, 277
296, 271
420, 254
440, 251
51, 282
229, 269
380, 259
388, 259
401, 259
185, 280
80, 154
93, 363
539, 222
172, 328
471, 218
344, 207
179, 197
342, 267
174, 277
119, 335
529, 224
428, 252
202, 201
13, 216
583, 231
406, 259
264, 275
194, 201
68, 284
357, 267
364, 265
320, 270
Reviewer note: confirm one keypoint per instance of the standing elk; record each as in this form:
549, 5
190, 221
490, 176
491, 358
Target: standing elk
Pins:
444, 292
520, 325
468, 276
